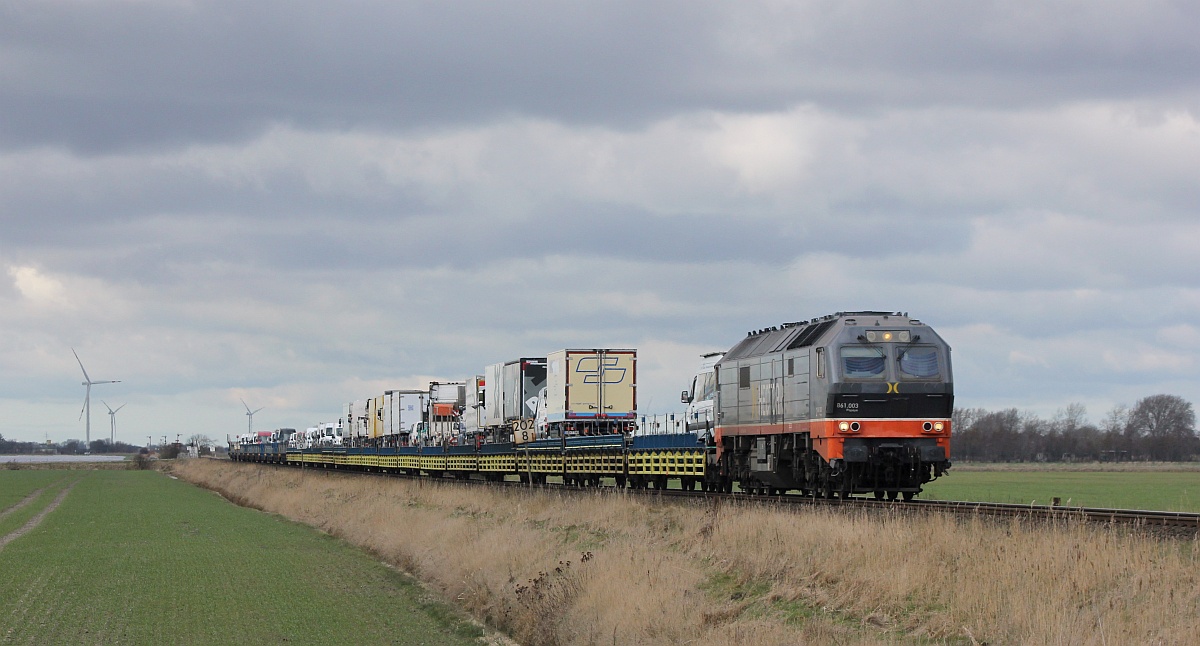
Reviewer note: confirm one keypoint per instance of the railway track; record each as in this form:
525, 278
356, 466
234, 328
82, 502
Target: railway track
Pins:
1172, 523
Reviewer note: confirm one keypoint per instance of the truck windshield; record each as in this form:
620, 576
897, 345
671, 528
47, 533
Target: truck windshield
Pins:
863, 362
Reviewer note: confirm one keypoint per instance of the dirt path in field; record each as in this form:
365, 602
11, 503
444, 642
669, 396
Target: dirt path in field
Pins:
25, 501
36, 520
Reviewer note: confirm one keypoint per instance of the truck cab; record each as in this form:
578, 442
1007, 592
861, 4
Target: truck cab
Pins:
699, 397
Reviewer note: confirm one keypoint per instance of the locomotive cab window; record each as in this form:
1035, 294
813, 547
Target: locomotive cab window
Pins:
918, 363
863, 362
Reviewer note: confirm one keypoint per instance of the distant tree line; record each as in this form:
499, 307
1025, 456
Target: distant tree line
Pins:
70, 447
1159, 427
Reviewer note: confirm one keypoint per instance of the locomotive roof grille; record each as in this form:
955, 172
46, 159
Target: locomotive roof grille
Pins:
810, 334
800, 334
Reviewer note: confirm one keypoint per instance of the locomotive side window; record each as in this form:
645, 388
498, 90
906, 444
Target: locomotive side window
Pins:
744, 377
919, 363
859, 362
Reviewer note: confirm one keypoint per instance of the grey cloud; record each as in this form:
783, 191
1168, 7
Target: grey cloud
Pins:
99, 77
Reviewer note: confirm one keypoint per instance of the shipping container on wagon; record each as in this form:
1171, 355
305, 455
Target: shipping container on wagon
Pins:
591, 390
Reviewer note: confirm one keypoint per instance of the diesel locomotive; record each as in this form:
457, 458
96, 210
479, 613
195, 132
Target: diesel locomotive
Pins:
855, 402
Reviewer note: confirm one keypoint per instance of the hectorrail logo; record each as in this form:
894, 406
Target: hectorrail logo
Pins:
589, 367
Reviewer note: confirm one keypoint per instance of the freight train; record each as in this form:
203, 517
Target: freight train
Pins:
845, 404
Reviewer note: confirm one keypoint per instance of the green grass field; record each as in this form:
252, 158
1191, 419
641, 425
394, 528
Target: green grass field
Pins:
1157, 490
136, 557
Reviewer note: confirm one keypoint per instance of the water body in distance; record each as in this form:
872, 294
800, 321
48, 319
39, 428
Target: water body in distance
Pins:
44, 459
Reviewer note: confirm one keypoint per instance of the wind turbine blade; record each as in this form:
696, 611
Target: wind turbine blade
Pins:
106, 405
244, 404
82, 407
119, 407
85, 374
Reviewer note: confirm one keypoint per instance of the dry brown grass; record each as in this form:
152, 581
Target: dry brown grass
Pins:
611, 569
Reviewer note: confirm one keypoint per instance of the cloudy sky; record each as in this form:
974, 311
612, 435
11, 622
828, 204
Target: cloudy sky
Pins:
303, 203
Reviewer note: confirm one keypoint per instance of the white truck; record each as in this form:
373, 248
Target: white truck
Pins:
441, 424
331, 434
402, 410
699, 398
510, 396
357, 422
588, 392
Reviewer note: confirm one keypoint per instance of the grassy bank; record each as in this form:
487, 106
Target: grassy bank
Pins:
136, 557
1145, 489
603, 568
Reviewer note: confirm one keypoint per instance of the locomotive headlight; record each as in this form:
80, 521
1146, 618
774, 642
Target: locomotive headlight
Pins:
843, 426
886, 336
938, 427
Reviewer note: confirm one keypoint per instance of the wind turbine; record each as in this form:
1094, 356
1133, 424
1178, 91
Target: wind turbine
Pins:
112, 422
87, 398
250, 416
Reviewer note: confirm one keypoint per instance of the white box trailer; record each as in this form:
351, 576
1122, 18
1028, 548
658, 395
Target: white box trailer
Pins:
591, 391
493, 397
358, 419
402, 410
472, 416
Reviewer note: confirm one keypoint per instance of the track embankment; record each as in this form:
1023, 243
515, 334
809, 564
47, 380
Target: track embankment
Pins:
552, 567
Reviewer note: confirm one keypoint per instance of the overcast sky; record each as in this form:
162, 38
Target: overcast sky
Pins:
304, 203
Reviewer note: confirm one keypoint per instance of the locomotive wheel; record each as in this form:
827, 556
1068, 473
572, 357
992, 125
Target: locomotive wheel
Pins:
892, 495
909, 495
878, 494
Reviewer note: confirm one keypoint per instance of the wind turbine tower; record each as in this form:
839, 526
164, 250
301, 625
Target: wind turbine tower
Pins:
250, 418
112, 422
87, 398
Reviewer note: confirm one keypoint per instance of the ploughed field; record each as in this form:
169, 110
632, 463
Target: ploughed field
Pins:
105, 557
603, 567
